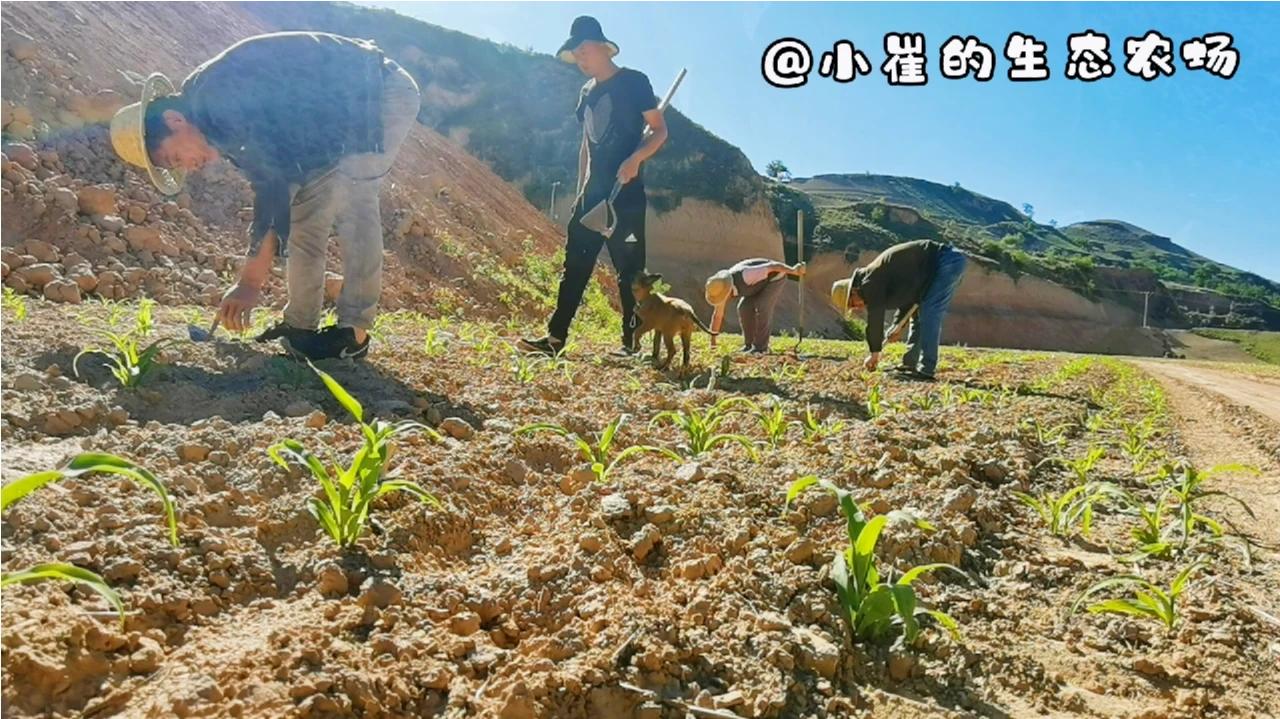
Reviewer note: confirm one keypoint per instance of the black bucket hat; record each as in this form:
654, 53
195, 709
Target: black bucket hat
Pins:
584, 28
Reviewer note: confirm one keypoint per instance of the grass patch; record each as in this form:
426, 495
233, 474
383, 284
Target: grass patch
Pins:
1263, 345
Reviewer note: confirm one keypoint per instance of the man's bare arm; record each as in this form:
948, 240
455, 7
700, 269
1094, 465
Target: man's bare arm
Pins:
583, 155
658, 127
236, 309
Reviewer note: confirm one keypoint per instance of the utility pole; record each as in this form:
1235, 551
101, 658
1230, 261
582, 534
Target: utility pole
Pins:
552, 210
799, 259
1146, 296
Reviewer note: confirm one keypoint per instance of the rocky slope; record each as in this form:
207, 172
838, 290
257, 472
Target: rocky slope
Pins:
78, 223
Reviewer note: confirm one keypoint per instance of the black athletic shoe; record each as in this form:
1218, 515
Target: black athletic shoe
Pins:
329, 343
913, 375
545, 345
624, 352
281, 330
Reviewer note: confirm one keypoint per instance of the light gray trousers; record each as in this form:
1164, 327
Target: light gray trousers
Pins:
348, 197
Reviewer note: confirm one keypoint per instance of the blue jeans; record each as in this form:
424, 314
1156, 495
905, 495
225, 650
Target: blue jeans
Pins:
926, 327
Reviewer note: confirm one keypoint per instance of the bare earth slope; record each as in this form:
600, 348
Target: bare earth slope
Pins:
457, 235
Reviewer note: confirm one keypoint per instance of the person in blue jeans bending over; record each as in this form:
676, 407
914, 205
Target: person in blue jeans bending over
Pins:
923, 273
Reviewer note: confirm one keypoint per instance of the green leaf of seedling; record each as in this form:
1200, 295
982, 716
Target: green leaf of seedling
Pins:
344, 398
71, 573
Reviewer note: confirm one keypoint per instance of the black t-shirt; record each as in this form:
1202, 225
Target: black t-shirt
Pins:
612, 117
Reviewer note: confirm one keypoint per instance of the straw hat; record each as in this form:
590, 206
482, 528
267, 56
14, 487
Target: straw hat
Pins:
719, 288
128, 135
840, 294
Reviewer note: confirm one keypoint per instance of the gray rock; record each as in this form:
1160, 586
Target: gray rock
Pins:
28, 382
691, 472
298, 408
457, 428
615, 507
380, 593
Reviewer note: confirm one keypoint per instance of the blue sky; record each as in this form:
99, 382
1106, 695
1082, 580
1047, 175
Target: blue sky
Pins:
1191, 156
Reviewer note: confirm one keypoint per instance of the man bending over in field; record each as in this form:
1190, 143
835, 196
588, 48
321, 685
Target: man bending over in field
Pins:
314, 122
921, 274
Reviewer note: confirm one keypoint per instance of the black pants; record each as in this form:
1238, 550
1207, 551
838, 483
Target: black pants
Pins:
580, 253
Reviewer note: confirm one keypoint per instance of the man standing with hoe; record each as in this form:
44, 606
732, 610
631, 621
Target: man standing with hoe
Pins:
921, 275
314, 122
613, 107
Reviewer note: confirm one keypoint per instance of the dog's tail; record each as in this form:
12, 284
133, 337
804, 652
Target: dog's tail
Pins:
698, 321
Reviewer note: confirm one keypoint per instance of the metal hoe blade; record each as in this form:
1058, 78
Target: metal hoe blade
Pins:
200, 334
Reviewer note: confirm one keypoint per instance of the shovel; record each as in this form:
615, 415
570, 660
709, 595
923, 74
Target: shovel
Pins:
602, 218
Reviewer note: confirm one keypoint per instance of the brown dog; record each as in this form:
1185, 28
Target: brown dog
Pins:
665, 316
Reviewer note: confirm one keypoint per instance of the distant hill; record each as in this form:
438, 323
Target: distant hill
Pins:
857, 212
513, 108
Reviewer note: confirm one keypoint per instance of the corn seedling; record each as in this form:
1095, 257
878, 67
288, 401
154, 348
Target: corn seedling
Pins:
924, 402
1097, 395
127, 360
1187, 493
260, 321
701, 427
1153, 537
1063, 513
433, 344
773, 423
79, 466
1146, 599
386, 323
875, 401
93, 463
526, 367
1046, 435
143, 322
1097, 422
816, 430
349, 492
16, 304
597, 450
1062, 375
948, 396
128, 363
67, 573
872, 607
787, 372
115, 312
1082, 466
1139, 452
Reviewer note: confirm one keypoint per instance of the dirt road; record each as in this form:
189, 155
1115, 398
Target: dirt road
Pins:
1257, 394
1206, 404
